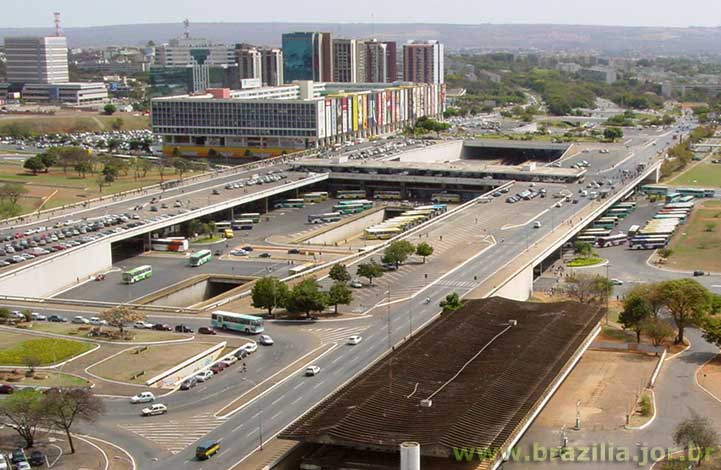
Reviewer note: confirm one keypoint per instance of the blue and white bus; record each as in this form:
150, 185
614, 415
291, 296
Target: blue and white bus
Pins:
237, 322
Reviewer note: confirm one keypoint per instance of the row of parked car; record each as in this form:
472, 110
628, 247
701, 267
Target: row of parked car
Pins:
269, 177
18, 459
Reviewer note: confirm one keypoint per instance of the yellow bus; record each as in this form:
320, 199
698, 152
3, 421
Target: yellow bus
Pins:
446, 197
381, 233
228, 233
318, 196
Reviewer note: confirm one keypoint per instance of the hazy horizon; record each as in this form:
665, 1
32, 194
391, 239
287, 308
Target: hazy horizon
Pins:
640, 13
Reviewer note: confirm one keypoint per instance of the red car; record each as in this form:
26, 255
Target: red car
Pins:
206, 330
6, 389
218, 368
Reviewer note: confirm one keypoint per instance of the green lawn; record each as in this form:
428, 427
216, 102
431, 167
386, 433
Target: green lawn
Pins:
706, 175
697, 245
139, 336
582, 262
45, 350
44, 379
67, 122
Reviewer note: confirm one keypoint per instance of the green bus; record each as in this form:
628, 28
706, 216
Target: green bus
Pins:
655, 189
346, 210
290, 203
237, 321
137, 274
364, 202
607, 224
200, 257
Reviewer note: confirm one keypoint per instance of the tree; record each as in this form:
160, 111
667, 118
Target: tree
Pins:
212, 154
209, 228
306, 297
181, 166
110, 172
339, 294
101, 181
424, 249
193, 227
652, 294
12, 192
451, 302
696, 432
398, 252
269, 293
34, 164
109, 109
63, 407
339, 273
665, 253
586, 288
117, 124
25, 411
635, 312
657, 330
612, 133
49, 158
370, 271
688, 301
583, 249
119, 316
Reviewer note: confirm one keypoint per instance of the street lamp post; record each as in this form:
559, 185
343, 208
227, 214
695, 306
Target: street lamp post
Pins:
260, 416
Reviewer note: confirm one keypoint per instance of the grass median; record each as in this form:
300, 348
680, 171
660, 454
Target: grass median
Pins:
697, 245
82, 331
43, 379
705, 175
39, 351
583, 262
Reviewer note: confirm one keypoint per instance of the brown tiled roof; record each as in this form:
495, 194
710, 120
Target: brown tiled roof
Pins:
481, 407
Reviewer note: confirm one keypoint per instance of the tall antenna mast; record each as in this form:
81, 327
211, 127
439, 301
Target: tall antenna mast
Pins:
58, 28
373, 25
186, 28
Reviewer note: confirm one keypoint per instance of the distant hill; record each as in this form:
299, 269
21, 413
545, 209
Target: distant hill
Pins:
606, 39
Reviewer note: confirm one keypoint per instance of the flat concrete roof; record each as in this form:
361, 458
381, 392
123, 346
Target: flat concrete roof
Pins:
520, 144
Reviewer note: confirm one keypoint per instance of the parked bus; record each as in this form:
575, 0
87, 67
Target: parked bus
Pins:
290, 203
687, 198
586, 238
673, 197
446, 197
299, 269
611, 240
243, 224
220, 226
134, 275
647, 244
655, 189
318, 196
236, 322
679, 205
630, 204
381, 233
633, 230
169, 244
323, 218
347, 210
387, 195
364, 202
607, 224
620, 212
200, 257
697, 192
350, 194
254, 216
596, 232
680, 217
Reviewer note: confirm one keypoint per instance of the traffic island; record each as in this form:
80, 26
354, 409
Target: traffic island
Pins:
132, 335
43, 379
18, 349
585, 262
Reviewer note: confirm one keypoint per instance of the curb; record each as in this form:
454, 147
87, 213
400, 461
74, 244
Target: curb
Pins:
651, 420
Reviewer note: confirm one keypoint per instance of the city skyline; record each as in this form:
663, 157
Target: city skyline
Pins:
641, 13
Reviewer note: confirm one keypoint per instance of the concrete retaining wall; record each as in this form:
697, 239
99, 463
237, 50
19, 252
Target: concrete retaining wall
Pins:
49, 276
520, 287
347, 230
171, 377
435, 153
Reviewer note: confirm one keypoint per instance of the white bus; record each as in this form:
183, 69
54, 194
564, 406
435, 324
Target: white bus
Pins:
611, 240
323, 218
254, 216
169, 244
243, 224
633, 230
648, 243
350, 194
299, 269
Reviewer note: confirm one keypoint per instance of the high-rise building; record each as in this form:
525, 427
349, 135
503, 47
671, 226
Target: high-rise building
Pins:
391, 62
203, 57
344, 61
307, 56
272, 66
423, 62
36, 59
250, 63
376, 62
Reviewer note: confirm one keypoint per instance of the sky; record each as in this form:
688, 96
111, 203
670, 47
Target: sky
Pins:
76, 13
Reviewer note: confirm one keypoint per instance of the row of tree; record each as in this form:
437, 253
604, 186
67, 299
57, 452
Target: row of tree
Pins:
306, 297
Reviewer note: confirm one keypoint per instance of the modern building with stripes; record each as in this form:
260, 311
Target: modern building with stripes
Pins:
269, 121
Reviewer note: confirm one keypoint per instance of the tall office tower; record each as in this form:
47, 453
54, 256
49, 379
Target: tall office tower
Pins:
361, 59
376, 62
344, 61
36, 59
391, 62
423, 62
202, 56
250, 63
272, 66
307, 56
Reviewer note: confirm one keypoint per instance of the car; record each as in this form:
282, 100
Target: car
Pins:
265, 254
241, 353
356, 284
229, 360
216, 192
156, 409
98, 321
311, 371
558, 204
207, 449
265, 340
189, 383
250, 347
142, 325
37, 458
238, 252
575, 201
248, 248
355, 339
218, 367
698, 273
142, 397
183, 329
6, 389
22, 466
17, 456
294, 251
537, 224
38, 316
161, 327
206, 330
389, 267
80, 320
616, 282
57, 318
204, 375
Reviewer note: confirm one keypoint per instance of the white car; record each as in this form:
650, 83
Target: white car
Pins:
558, 204
616, 282
312, 370
98, 322
537, 224
356, 284
142, 325
355, 339
22, 466
38, 316
156, 409
80, 320
204, 375
229, 360
238, 252
250, 347
143, 397
265, 340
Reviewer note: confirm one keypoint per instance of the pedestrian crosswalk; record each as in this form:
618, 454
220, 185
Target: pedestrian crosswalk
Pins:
173, 435
335, 335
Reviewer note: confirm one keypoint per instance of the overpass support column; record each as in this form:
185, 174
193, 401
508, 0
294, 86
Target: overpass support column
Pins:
657, 174
266, 204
